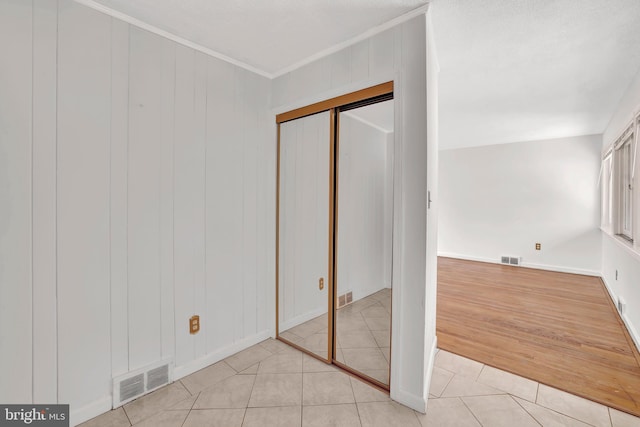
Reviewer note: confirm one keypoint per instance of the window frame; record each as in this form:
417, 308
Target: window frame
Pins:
623, 169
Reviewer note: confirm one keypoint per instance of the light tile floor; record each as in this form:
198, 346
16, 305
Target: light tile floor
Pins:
363, 335
363, 331
272, 384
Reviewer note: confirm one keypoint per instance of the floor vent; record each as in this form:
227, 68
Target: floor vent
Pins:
510, 260
140, 382
345, 299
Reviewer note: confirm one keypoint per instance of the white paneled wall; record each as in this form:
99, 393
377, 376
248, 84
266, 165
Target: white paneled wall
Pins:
136, 187
144, 193
16, 109
83, 125
304, 219
118, 202
364, 252
398, 54
44, 201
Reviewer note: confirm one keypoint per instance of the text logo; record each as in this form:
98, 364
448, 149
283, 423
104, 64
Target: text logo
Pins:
34, 415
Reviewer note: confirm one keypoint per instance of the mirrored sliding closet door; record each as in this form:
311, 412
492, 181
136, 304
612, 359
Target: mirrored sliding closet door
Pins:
335, 231
304, 233
364, 223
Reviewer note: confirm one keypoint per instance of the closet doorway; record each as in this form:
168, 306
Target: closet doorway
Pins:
335, 231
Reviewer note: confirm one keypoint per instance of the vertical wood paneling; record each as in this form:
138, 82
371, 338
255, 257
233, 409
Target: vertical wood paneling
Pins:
185, 161
221, 176
118, 213
15, 200
287, 213
45, 363
123, 202
340, 69
265, 242
168, 67
249, 203
361, 208
381, 55
143, 197
84, 83
304, 218
236, 200
360, 61
198, 204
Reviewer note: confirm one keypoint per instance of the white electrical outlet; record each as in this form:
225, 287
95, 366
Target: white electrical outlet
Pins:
622, 305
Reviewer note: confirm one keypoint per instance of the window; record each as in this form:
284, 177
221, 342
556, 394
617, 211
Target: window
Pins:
606, 211
624, 156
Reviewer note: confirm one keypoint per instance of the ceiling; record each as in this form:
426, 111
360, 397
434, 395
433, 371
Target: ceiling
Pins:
522, 70
268, 35
511, 70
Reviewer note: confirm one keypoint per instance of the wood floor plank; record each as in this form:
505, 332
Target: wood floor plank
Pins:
559, 329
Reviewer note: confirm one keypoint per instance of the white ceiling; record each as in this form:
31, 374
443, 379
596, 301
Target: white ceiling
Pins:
511, 70
521, 70
269, 35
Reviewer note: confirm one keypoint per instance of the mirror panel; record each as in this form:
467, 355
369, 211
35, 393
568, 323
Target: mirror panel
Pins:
304, 232
364, 239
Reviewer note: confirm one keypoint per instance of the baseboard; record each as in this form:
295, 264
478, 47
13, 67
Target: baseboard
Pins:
557, 268
429, 370
632, 331
298, 320
92, 410
417, 403
561, 269
211, 358
359, 295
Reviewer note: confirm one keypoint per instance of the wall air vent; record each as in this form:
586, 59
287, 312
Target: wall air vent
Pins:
131, 387
510, 260
158, 377
344, 299
141, 381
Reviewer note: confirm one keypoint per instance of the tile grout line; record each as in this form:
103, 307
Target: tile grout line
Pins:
563, 414
448, 382
525, 410
469, 409
126, 415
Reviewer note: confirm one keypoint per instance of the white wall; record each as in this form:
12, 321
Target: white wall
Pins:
398, 54
617, 255
16, 280
502, 199
364, 199
304, 219
135, 191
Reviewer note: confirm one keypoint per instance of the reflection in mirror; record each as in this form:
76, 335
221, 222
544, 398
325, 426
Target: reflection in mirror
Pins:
304, 225
364, 240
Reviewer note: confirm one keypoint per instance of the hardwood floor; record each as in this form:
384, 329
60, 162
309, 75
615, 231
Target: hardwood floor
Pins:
555, 328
